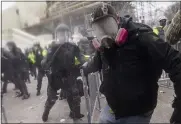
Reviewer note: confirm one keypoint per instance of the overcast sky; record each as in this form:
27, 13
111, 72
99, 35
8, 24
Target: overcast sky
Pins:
6, 5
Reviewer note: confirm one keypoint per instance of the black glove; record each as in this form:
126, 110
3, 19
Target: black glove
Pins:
45, 65
43, 62
176, 116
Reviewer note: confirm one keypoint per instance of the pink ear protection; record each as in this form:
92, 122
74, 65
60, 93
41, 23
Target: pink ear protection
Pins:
119, 40
96, 44
121, 36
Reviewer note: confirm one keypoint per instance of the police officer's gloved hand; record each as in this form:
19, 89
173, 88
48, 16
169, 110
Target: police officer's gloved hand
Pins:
44, 64
176, 116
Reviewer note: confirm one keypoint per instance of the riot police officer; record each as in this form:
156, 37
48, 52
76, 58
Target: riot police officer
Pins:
76, 72
160, 29
31, 62
60, 61
6, 70
39, 57
18, 68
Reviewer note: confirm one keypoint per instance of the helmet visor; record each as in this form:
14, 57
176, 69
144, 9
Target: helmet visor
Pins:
62, 36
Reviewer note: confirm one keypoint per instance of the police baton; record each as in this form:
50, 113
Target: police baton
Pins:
87, 100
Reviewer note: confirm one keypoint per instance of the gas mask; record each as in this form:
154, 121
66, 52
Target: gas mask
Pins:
107, 33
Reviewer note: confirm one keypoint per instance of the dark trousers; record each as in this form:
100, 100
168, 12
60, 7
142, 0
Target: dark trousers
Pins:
20, 83
41, 74
72, 93
33, 71
7, 78
63, 94
26, 76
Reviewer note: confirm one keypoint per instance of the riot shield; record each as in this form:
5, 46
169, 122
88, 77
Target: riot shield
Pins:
165, 81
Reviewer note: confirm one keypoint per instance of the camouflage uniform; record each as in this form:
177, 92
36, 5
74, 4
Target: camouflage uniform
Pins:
173, 33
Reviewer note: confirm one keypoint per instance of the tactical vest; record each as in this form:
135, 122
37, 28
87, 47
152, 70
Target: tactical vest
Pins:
86, 58
160, 32
31, 57
44, 53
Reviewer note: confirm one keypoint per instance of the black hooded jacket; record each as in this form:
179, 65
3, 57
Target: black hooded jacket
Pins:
131, 73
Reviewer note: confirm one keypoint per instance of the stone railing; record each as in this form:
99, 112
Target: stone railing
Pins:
21, 38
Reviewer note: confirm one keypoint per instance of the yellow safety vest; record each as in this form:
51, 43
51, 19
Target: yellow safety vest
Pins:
76, 61
31, 57
86, 58
156, 31
44, 53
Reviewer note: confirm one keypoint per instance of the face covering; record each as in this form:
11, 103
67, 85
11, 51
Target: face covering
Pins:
107, 34
105, 30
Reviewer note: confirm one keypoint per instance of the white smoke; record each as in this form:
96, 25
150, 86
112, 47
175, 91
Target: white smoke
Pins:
77, 35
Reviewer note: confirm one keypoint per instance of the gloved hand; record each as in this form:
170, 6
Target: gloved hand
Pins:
176, 116
43, 62
45, 65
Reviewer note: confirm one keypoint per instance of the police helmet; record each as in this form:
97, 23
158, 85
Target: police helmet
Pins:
11, 43
62, 28
103, 11
162, 18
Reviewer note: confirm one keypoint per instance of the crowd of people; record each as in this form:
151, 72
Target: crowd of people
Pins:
130, 55
63, 71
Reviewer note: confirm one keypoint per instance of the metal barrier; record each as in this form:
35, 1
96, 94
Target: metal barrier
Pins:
91, 93
165, 81
94, 83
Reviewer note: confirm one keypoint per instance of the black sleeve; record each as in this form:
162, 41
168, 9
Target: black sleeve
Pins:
22, 56
79, 56
166, 56
7, 54
95, 64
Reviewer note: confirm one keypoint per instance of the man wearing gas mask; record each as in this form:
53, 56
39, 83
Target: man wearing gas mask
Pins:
17, 58
131, 59
60, 63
